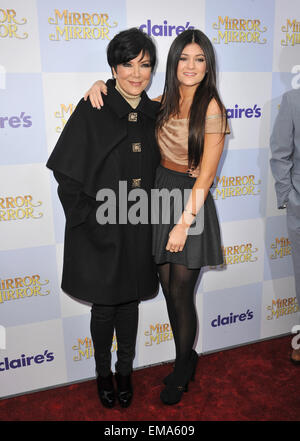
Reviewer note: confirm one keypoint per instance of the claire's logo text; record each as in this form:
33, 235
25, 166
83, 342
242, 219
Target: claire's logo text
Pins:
159, 333
165, 29
22, 288
24, 361
19, 207
226, 187
16, 121
80, 25
281, 248
291, 32
231, 319
238, 30
282, 307
9, 24
240, 112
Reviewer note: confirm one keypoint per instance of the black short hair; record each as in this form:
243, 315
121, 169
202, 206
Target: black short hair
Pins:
127, 45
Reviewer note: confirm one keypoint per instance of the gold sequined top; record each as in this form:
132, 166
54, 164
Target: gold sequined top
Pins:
173, 137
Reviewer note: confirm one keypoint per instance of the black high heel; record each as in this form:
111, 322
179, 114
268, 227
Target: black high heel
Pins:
106, 390
178, 384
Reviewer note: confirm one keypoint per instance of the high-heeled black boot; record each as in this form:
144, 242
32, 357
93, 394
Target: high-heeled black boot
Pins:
106, 390
124, 389
178, 383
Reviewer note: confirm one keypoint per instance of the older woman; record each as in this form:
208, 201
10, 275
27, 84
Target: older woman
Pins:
110, 264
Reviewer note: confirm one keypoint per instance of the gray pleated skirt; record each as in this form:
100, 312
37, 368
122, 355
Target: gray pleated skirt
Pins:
203, 247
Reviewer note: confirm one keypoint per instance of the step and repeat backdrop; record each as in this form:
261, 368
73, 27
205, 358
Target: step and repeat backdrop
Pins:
51, 51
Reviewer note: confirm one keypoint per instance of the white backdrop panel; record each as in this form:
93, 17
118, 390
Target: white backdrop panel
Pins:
50, 54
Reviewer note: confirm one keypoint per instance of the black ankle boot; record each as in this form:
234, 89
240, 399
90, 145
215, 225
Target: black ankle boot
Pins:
178, 381
124, 389
106, 390
173, 392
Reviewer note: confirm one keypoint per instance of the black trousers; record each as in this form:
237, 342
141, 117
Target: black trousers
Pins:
123, 319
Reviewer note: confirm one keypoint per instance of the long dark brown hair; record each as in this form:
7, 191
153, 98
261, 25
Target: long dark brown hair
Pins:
206, 90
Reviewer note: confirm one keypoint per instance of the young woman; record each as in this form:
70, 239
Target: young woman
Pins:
190, 130
110, 265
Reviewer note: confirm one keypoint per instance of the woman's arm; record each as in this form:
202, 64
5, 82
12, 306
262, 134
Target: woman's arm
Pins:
76, 204
213, 148
94, 94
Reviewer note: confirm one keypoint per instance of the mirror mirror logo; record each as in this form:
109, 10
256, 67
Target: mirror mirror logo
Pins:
2, 337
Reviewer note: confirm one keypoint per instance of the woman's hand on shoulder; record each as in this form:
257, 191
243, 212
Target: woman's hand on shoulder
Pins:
94, 94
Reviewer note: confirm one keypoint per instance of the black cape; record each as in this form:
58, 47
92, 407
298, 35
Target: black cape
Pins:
107, 264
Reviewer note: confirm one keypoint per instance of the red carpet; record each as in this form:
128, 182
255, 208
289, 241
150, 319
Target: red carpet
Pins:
256, 382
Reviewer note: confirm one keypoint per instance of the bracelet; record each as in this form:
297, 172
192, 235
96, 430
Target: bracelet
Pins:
189, 212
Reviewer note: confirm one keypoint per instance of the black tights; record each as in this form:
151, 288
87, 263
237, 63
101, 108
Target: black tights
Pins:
178, 284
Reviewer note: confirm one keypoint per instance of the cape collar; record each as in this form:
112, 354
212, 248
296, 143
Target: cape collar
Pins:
121, 107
